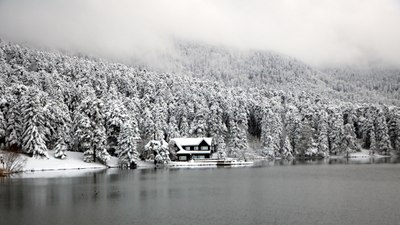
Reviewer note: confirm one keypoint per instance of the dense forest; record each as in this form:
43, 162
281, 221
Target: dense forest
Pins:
266, 105
250, 68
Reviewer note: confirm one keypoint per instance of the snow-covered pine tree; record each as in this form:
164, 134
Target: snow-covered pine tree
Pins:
116, 115
217, 129
349, 143
91, 130
60, 149
13, 123
147, 125
372, 147
219, 143
84, 135
286, 151
58, 124
293, 128
184, 127
307, 146
237, 143
271, 131
368, 126
158, 150
382, 133
160, 119
198, 126
127, 144
2, 128
33, 136
172, 130
99, 133
335, 131
322, 130
394, 127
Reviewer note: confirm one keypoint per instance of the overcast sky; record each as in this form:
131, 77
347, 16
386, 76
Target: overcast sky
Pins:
319, 32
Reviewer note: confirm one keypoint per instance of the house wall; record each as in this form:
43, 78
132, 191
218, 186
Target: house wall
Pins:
190, 157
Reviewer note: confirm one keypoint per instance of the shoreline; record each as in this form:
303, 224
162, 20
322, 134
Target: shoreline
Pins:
74, 162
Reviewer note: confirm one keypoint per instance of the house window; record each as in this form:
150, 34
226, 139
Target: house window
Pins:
199, 157
183, 158
196, 148
204, 148
187, 148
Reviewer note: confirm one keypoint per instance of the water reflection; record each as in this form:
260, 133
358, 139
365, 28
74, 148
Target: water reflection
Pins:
271, 192
330, 161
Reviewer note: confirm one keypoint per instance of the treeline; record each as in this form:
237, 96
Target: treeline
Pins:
51, 101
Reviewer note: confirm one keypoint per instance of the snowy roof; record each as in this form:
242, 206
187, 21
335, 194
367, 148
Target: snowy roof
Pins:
191, 141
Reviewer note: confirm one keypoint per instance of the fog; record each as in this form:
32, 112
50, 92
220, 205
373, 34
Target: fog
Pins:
319, 32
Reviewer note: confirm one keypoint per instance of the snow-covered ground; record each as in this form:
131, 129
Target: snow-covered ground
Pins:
74, 160
364, 153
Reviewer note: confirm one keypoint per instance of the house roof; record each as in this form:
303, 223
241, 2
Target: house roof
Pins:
190, 142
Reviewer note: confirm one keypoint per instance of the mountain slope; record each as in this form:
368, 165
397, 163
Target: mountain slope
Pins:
54, 101
246, 68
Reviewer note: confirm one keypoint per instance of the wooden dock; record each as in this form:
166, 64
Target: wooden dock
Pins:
208, 163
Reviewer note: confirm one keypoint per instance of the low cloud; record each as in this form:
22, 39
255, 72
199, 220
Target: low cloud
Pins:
319, 32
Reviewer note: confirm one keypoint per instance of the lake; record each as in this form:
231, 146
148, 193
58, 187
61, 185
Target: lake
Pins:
280, 192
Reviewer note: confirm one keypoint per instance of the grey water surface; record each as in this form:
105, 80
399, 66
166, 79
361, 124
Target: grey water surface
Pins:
280, 192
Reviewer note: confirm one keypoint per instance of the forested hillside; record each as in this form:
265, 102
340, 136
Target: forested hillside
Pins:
56, 101
246, 68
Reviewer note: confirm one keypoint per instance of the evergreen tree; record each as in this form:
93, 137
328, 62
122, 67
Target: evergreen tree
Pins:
14, 128
322, 127
158, 150
184, 127
287, 150
373, 147
382, 134
2, 128
306, 144
271, 131
394, 128
60, 149
335, 132
172, 129
127, 144
115, 115
33, 136
84, 136
349, 139
198, 126
237, 144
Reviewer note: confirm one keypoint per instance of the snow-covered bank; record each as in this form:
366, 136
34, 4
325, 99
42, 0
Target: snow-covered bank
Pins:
73, 161
363, 154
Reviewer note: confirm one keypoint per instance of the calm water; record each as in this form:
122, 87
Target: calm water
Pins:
319, 192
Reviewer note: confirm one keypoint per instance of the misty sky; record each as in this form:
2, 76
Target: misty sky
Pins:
319, 32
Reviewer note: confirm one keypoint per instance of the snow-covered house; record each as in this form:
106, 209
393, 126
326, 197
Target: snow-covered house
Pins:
192, 148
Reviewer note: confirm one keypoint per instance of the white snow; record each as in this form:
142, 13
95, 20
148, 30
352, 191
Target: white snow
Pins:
74, 160
190, 141
364, 153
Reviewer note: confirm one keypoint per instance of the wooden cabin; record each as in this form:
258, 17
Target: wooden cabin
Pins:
192, 148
